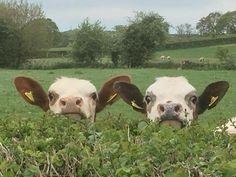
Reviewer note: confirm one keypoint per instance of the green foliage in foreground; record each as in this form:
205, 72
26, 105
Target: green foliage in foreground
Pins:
113, 146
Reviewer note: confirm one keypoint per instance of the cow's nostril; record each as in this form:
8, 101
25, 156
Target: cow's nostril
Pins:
178, 108
78, 102
162, 108
63, 102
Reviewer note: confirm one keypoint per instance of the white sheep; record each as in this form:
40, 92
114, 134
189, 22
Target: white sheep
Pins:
162, 57
201, 59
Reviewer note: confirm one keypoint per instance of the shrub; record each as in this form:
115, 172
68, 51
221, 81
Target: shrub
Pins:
10, 47
118, 147
89, 43
200, 42
225, 58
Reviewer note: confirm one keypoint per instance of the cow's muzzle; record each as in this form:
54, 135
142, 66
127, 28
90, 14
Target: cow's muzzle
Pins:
169, 114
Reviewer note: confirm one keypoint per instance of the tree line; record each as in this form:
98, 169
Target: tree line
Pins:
25, 32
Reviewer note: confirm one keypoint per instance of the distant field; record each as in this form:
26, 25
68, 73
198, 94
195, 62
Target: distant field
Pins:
11, 103
193, 54
44, 63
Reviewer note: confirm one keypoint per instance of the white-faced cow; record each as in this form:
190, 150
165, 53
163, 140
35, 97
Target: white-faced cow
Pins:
69, 96
172, 100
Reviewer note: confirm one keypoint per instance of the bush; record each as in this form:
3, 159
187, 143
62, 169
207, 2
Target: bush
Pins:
200, 42
10, 47
89, 43
225, 58
145, 32
120, 147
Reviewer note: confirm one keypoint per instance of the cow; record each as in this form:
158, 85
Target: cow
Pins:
172, 100
69, 96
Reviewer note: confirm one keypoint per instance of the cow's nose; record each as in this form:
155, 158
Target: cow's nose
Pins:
169, 110
71, 102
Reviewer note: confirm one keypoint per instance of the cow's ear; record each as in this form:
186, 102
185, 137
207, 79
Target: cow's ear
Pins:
212, 95
107, 94
32, 92
131, 95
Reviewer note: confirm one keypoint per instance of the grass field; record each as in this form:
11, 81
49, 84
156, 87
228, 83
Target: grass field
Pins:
12, 103
121, 142
193, 54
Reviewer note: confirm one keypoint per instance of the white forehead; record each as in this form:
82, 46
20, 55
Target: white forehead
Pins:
72, 86
170, 87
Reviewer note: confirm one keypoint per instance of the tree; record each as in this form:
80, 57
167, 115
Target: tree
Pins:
37, 36
18, 13
185, 29
89, 43
115, 43
224, 56
54, 32
207, 25
227, 23
26, 21
10, 46
67, 38
145, 32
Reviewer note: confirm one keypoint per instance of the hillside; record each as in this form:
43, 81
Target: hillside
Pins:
193, 54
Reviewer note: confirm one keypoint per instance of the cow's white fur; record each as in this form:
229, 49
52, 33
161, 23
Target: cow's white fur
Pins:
172, 89
230, 126
71, 87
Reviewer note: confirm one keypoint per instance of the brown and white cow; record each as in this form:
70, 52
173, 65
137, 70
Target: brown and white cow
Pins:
172, 100
70, 96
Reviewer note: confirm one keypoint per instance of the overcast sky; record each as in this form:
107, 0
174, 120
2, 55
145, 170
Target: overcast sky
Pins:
69, 13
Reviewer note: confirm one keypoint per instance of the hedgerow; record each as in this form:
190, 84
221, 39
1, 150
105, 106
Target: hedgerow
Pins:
49, 145
201, 42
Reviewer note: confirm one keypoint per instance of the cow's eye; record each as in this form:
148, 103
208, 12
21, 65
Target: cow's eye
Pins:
94, 95
148, 99
193, 99
50, 96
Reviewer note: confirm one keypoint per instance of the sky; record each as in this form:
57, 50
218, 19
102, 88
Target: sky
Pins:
68, 14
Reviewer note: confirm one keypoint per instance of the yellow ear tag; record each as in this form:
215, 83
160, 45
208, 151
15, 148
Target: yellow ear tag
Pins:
29, 95
112, 97
213, 100
135, 105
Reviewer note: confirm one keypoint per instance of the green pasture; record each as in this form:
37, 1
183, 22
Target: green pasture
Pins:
11, 103
193, 54
44, 63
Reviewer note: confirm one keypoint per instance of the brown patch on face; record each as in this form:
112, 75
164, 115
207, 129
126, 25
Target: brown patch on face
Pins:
52, 97
150, 103
191, 99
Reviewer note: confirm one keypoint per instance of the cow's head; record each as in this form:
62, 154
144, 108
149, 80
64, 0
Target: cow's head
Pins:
172, 100
69, 95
